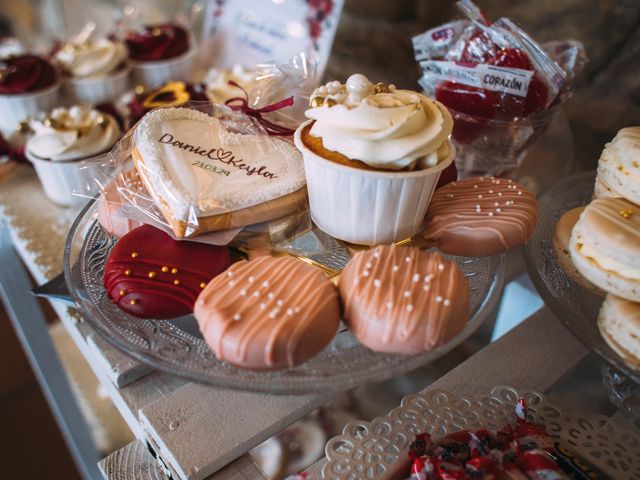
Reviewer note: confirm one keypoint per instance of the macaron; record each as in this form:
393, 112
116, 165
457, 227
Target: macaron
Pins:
605, 246
403, 300
619, 325
480, 216
561, 242
619, 166
149, 274
601, 189
268, 313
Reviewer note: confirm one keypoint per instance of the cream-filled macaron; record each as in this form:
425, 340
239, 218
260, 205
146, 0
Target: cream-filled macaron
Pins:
561, 241
619, 167
605, 246
619, 324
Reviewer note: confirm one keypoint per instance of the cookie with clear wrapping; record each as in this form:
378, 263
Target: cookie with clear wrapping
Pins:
403, 300
112, 209
605, 246
619, 325
204, 177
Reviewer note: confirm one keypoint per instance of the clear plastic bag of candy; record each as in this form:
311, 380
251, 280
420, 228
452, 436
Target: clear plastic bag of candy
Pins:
502, 87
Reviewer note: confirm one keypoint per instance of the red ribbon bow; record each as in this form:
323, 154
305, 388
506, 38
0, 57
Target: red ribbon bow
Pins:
242, 104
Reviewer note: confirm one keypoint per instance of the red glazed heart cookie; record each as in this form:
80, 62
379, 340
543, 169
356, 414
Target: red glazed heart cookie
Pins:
149, 274
268, 313
480, 216
403, 300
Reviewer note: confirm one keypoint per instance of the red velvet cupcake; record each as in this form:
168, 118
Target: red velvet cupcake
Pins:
28, 84
160, 53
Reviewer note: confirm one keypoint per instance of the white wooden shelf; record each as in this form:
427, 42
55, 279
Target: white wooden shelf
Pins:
200, 432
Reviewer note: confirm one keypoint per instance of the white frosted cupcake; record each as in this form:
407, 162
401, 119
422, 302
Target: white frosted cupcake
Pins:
217, 82
373, 155
63, 138
96, 70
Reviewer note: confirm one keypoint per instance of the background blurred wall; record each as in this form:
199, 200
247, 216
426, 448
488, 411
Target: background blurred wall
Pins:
374, 37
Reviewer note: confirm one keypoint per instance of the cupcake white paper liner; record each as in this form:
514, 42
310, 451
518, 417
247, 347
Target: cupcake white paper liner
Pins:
98, 90
367, 207
15, 108
61, 179
155, 74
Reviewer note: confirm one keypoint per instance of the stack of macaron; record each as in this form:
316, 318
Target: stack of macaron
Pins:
604, 246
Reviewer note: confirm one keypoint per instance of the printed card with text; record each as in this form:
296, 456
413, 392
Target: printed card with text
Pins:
249, 32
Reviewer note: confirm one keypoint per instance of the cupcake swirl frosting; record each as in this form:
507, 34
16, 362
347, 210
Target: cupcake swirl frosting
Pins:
91, 58
72, 134
381, 126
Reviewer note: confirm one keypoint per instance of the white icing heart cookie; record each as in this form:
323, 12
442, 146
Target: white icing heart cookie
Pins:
205, 178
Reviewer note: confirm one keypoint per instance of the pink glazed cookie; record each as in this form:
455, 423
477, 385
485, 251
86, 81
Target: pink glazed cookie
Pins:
268, 313
403, 300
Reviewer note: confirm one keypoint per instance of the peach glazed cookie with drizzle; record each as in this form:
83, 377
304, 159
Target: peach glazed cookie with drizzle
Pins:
268, 313
403, 300
480, 216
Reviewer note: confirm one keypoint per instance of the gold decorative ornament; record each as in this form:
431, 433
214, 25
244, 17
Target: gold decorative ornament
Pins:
330, 102
381, 88
151, 274
176, 282
165, 269
174, 270
626, 213
177, 91
317, 102
134, 254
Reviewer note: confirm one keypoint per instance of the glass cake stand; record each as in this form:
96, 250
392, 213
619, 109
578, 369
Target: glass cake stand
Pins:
575, 306
177, 347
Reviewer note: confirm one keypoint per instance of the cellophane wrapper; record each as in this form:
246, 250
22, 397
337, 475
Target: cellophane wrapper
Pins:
501, 86
212, 174
520, 450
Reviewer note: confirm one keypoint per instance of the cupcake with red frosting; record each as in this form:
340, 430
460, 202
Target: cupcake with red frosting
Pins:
160, 53
28, 84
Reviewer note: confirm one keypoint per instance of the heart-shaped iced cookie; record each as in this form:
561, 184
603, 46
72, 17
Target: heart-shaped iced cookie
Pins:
205, 178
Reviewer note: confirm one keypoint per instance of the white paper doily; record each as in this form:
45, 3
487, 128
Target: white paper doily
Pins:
374, 450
